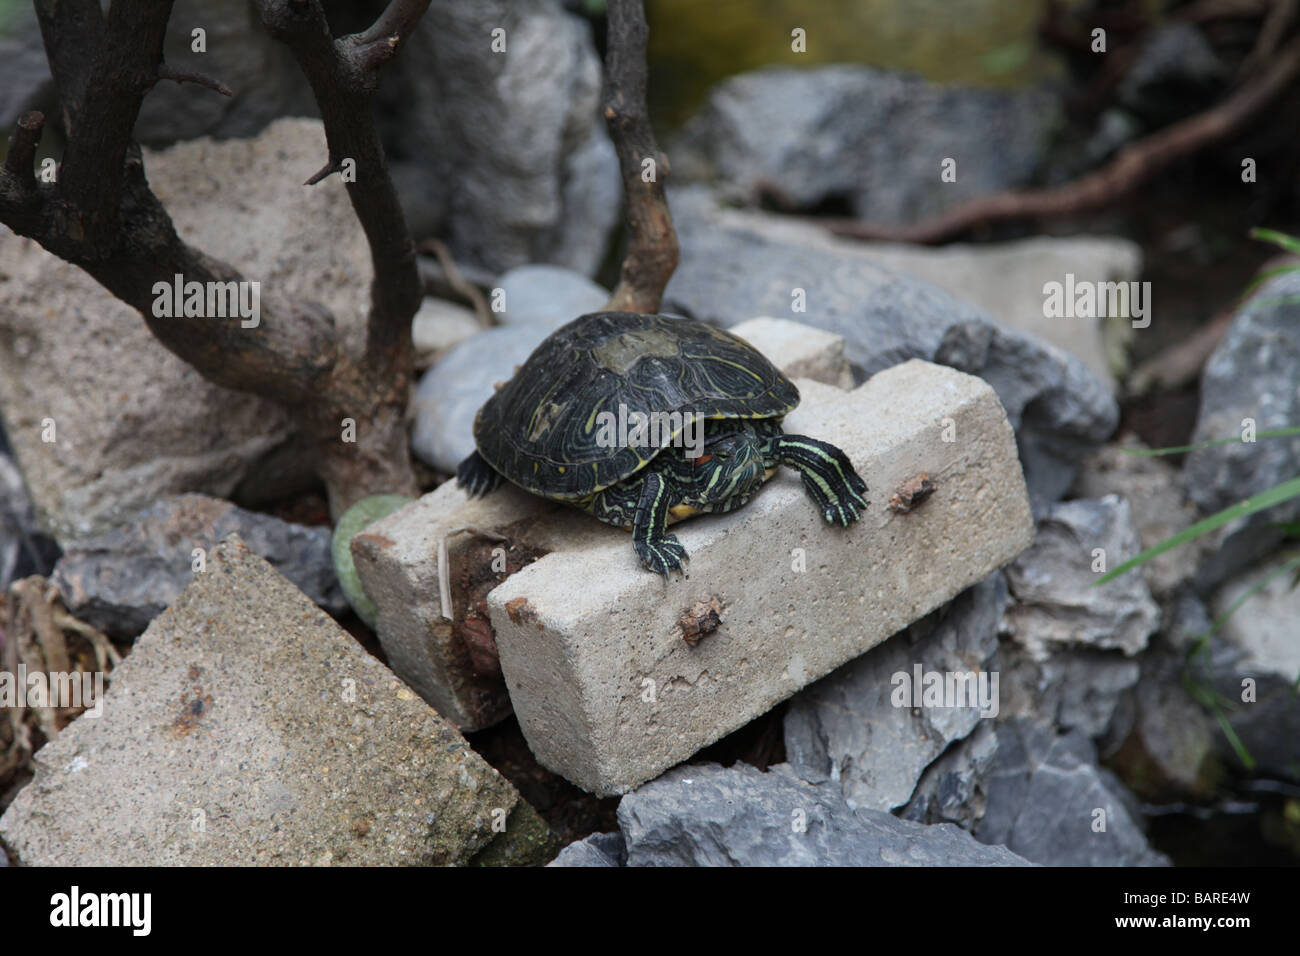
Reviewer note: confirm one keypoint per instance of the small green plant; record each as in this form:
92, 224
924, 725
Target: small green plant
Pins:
1198, 652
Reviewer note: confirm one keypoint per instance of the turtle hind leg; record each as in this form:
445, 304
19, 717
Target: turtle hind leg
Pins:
828, 476
476, 476
658, 550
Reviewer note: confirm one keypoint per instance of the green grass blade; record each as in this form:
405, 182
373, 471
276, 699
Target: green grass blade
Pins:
1184, 449
1263, 277
1265, 499
1280, 239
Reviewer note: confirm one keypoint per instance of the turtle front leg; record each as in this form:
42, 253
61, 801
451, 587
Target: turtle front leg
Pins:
658, 550
476, 476
828, 476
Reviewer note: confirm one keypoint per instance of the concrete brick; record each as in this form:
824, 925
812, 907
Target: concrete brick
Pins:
397, 558
606, 689
247, 708
799, 351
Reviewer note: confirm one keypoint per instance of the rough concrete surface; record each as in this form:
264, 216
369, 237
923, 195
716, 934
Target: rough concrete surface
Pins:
606, 689
132, 421
246, 728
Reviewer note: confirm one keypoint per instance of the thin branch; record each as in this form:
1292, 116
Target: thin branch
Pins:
342, 77
459, 284
166, 72
330, 168
1276, 22
652, 250
21, 160
1134, 165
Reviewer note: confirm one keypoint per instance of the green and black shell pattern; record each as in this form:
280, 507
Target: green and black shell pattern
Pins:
540, 429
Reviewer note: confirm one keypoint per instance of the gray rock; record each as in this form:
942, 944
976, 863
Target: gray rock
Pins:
953, 789
736, 266
518, 135
451, 393
1055, 602
845, 728
262, 71
1159, 505
1006, 280
705, 815
1256, 655
599, 849
548, 296
23, 549
119, 581
133, 422
1175, 71
1047, 800
1071, 688
1170, 753
247, 728
1255, 374
854, 134
439, 325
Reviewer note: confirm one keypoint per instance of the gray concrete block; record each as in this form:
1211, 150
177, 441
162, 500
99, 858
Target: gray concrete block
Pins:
800, 351
397, 558
245, 727
606, 689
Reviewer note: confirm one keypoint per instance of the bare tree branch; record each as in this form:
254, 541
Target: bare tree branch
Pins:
166, 72
652, 251
342, 77
1134, 165
102, 216
123, 70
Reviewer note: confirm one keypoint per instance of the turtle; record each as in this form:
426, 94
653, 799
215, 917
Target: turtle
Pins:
642, 420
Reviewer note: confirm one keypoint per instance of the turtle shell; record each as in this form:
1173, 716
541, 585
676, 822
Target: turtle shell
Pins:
541, 429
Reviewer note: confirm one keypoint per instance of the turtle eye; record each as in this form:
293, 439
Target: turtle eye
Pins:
723, 455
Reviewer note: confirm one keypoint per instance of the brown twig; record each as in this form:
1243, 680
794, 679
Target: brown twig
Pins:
1133, 165
459, 284
166, 72
652, 249
1276, 22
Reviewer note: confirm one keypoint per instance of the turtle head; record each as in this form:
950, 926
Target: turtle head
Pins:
730, 469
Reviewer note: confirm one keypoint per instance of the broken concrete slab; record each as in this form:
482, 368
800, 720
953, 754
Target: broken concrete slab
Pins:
606, 689
247, 728
398, 563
